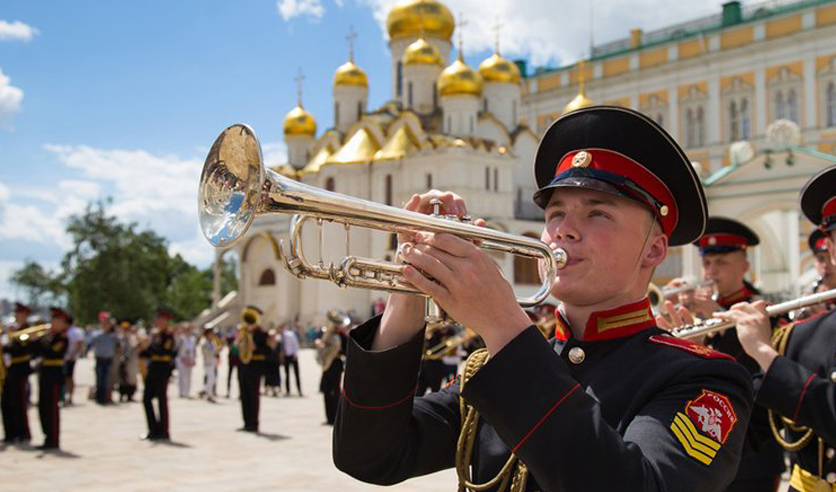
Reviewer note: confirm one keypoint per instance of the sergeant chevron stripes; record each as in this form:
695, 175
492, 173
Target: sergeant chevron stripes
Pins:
698, 446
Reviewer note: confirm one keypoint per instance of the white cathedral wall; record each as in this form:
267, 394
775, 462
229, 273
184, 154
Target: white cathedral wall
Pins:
347, 97
502, 99
297, 150
460, 114
423, 79
398, 47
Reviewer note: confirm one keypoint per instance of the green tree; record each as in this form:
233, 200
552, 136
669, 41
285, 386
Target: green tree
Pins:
113, 267
40, 285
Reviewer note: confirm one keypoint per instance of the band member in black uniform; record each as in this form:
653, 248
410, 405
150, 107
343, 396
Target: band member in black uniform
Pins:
619, 405
52, 348
160, 352
329, 353
252, 350
14, 402
799, 382
826, 270
723, 251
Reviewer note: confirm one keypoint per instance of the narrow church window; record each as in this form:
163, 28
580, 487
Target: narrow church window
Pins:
435, 96
429, 181
330, 185
359, 110
485, 104
388, 190
399, 79
495, 179
409, 94
337, 113
487, 178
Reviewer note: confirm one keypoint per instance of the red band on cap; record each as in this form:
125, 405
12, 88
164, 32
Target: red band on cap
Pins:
621, 165
722, 240
829, 208
821, 244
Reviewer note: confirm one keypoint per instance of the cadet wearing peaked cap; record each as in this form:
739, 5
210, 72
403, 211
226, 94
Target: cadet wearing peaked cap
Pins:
799, 381
723, 249
161, 351
13, 400
531, 414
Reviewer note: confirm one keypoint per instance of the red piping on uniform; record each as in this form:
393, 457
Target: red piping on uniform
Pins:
362, 407
552, 409
801, 397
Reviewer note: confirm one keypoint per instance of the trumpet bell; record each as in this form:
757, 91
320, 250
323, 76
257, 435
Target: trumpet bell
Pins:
229, 186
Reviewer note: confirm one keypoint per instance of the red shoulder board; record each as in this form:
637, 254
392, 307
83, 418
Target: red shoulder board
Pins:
688, 346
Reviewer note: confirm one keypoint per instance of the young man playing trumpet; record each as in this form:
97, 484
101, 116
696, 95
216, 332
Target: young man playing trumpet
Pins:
799, 381
723, 249
655, 412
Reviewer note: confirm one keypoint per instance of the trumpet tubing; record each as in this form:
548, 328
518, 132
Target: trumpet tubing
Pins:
235, 187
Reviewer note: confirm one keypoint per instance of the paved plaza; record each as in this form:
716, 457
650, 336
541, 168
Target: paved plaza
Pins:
101, 450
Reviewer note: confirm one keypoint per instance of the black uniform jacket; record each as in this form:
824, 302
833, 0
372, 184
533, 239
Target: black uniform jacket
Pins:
260, 347
800, 386
52, 348
762, 456
19, 352
627, 417
161, 351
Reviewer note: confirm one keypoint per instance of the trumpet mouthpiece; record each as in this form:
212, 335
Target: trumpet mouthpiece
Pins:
561, 257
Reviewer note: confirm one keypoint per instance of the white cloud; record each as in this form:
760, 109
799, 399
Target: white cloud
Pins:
551, 31
16, 31
274, 153
11, 98
289, 9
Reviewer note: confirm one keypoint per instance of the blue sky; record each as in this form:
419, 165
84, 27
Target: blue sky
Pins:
115, 98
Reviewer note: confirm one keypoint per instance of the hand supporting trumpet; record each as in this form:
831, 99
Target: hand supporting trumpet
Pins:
754, 329
450, 270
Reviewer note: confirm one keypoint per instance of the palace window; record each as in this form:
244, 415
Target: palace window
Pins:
487, 178
692, 117
785, 95
738, 111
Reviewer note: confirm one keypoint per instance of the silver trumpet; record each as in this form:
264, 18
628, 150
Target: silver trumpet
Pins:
715, 325
235, 187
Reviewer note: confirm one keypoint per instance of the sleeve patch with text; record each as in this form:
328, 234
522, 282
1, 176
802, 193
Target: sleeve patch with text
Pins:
705, 424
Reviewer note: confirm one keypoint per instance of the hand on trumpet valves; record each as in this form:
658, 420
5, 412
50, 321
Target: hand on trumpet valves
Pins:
404, 314
467, 284
754, 330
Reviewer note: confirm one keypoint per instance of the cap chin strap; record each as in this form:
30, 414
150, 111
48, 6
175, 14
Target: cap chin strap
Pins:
642, 251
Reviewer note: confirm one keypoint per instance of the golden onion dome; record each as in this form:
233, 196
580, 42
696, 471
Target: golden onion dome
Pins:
459, 80
420, 18
422, 53
498, 69
350, 74
580, 101
299, 122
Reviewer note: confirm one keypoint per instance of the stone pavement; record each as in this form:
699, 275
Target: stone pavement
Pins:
101, 450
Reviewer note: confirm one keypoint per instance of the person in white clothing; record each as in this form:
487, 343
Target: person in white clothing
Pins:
290, 345
75, 348
186, 355
211, 350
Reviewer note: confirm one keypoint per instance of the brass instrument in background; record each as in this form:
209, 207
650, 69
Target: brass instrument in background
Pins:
450, 345
244, 340
715, 325
657, 296
25, 335
235, 187
328, 347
